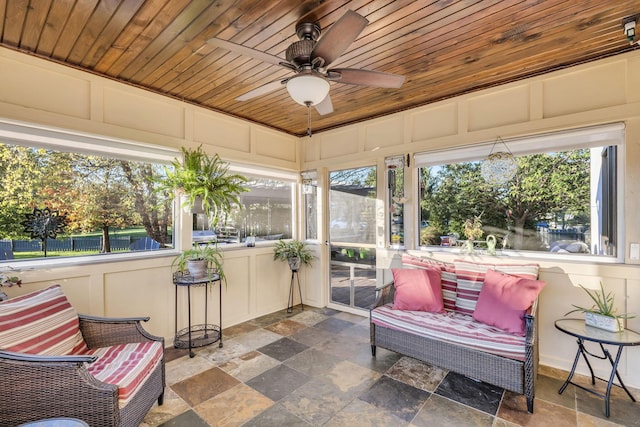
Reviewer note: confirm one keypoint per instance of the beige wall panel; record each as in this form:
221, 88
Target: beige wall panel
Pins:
236, 294
584, 90
275, 144
435, 122
272, 283
75, 288
215, 130
310, 148
631, 357
633, 83
138, 292
500, 108
34, 87
384, 133
129, 109
339, 143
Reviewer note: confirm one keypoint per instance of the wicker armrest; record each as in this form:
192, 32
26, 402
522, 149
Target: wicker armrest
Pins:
25, 357
33, 387
104, 331
383, 295
531, 324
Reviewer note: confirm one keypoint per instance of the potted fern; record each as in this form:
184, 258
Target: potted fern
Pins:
295, 252
200, 260
205, 179
601, 314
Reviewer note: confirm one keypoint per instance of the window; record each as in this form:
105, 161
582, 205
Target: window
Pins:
265, 211
562, 200
395, 200
310, 200
67, 194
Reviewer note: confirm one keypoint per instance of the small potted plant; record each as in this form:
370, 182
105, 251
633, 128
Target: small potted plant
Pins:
601, 314
472, 231
7, 280
295, 252
199, 260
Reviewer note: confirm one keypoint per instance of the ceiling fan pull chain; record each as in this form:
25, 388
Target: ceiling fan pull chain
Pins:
308, 104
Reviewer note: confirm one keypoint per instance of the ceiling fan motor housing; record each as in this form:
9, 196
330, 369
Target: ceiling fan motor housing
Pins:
299, 53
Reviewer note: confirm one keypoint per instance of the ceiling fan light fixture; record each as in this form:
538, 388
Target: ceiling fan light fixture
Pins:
308, 89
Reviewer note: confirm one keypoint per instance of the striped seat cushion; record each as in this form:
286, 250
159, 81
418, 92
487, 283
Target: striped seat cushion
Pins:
448, 277
42, 322
470, 277
452, 327
126, 365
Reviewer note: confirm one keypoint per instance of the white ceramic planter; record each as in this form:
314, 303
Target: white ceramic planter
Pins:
197, 268
600, 321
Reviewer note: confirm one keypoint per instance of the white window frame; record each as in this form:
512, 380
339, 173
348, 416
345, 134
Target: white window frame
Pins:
587, 137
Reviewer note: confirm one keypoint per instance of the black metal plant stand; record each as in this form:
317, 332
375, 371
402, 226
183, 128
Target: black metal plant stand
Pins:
294, 274
197, 335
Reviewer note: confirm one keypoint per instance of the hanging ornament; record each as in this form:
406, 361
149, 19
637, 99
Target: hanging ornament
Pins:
499, 167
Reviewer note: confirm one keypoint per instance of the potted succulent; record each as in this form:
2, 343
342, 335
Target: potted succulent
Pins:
199, 260
205, 179
601, 314
295, 252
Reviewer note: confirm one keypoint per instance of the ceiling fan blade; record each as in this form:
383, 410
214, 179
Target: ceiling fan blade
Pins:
355, 76
246, 51
339, 37
262, 90
325, 107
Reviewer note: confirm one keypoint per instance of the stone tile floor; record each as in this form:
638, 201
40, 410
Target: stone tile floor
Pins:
314, 367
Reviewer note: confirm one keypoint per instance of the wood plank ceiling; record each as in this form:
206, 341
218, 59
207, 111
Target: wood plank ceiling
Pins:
444, 48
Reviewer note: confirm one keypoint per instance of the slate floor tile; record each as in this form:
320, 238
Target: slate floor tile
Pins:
478, 395
333, 324
283, 349
204, 386
442, 412
186, 419
416, 373
276, 416
400, 399
278, 382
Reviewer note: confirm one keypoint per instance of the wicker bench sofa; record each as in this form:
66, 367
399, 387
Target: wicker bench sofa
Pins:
503, 352
55, 363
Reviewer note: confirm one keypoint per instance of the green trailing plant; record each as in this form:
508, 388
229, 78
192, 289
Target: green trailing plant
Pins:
204, 178
602, 304
201, 252
287, 250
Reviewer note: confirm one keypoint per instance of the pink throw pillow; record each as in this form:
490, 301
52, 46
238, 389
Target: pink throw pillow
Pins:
418, 289
504, 300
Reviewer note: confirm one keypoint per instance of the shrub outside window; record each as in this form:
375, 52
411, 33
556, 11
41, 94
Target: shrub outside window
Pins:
562, 200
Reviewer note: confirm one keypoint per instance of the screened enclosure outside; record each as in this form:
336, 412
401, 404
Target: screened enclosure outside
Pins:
265, 212
352, 224
56, 203
561, 202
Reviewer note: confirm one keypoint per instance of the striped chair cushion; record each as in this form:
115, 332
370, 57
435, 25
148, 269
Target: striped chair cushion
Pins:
470, 277
126, 365
452, 327
42, 322
449, 279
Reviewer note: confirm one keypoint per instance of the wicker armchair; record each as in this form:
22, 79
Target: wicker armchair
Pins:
37, 387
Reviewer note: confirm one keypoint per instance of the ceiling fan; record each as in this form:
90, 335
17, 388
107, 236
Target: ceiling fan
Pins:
309, 58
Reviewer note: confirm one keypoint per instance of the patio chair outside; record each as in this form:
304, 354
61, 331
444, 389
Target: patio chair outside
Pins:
145, 244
